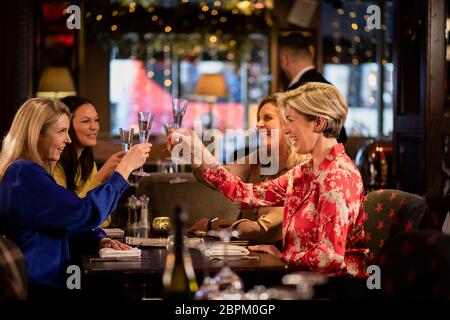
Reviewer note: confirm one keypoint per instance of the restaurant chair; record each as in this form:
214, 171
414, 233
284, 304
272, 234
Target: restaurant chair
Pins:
389, 212
416, 265
13, 271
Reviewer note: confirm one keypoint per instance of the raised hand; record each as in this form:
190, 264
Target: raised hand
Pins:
109, 166
135, 158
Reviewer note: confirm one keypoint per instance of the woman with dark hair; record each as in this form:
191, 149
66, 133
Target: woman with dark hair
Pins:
76, 170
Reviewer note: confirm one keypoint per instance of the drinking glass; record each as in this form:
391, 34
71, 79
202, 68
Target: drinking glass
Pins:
126, 138
179, 107
145, 121
132, 223
208, 290
126, 141
174, 158
230, 284
171, 242
305, 282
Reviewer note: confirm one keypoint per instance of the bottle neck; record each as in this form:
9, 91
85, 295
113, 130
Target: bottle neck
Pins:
179, 240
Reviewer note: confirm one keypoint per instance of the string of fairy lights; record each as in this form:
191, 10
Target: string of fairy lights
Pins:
168, 31
212, 19
215, 30
353, 43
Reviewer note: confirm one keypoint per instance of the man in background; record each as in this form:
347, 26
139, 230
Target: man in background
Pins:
296, 61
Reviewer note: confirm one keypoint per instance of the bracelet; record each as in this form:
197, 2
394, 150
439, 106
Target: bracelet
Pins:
210, 222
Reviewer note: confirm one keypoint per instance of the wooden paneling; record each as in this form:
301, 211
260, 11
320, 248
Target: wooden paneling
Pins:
436, 119
422, 125
409, 60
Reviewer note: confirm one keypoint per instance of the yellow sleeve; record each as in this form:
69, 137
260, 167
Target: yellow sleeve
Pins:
59, 175
90, 184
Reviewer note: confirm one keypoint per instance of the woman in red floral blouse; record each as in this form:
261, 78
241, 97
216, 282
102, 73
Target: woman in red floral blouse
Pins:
323, 198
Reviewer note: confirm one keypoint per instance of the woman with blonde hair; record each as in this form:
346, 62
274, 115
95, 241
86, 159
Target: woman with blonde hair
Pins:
40, 216
260, 225
322, 198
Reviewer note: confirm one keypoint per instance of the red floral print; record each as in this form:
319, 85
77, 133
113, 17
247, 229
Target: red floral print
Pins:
323, 211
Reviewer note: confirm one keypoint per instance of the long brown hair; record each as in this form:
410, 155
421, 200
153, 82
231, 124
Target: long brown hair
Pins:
69, 160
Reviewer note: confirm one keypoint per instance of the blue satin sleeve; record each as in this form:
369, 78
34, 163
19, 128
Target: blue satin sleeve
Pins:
86, 241
41, 204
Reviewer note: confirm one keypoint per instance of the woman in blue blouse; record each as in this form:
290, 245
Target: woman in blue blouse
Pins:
40, 216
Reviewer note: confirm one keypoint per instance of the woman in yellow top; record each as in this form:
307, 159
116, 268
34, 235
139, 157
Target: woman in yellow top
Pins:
76, 170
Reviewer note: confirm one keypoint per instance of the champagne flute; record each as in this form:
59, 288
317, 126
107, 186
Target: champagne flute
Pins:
145, 121
179, 107
126, 138
175, 159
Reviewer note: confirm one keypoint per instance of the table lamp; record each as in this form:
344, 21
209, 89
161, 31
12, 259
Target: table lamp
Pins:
56, 82
211, 86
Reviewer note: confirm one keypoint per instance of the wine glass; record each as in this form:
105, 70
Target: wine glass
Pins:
126, 138
230, 284
174, 158
179, 107
305, 282
208, 290
145, 120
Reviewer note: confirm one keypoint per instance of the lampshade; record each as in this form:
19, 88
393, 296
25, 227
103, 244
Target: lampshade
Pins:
211, 85
56, 82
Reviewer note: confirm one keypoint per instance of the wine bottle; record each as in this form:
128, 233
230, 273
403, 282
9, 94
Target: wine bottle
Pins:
179, 281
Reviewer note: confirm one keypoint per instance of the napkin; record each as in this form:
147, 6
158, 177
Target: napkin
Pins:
159, 242
113, 253
231, 250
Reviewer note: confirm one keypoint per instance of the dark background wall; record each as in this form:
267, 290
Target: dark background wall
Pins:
16, 58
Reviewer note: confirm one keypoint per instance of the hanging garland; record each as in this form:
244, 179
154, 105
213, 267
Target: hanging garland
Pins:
192, 28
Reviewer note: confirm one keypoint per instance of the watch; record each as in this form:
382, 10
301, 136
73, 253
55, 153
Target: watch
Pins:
210, 222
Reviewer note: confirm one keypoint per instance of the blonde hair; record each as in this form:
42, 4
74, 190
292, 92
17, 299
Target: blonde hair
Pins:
317, 99
34, 117
293, 158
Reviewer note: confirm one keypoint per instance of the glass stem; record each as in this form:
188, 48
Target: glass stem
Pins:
226, 240
176, 168
142, 140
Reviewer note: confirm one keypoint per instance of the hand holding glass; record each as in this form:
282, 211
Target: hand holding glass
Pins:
145, 120
179, 107
175, 159
126, 138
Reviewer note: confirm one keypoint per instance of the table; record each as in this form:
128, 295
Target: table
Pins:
136, 280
